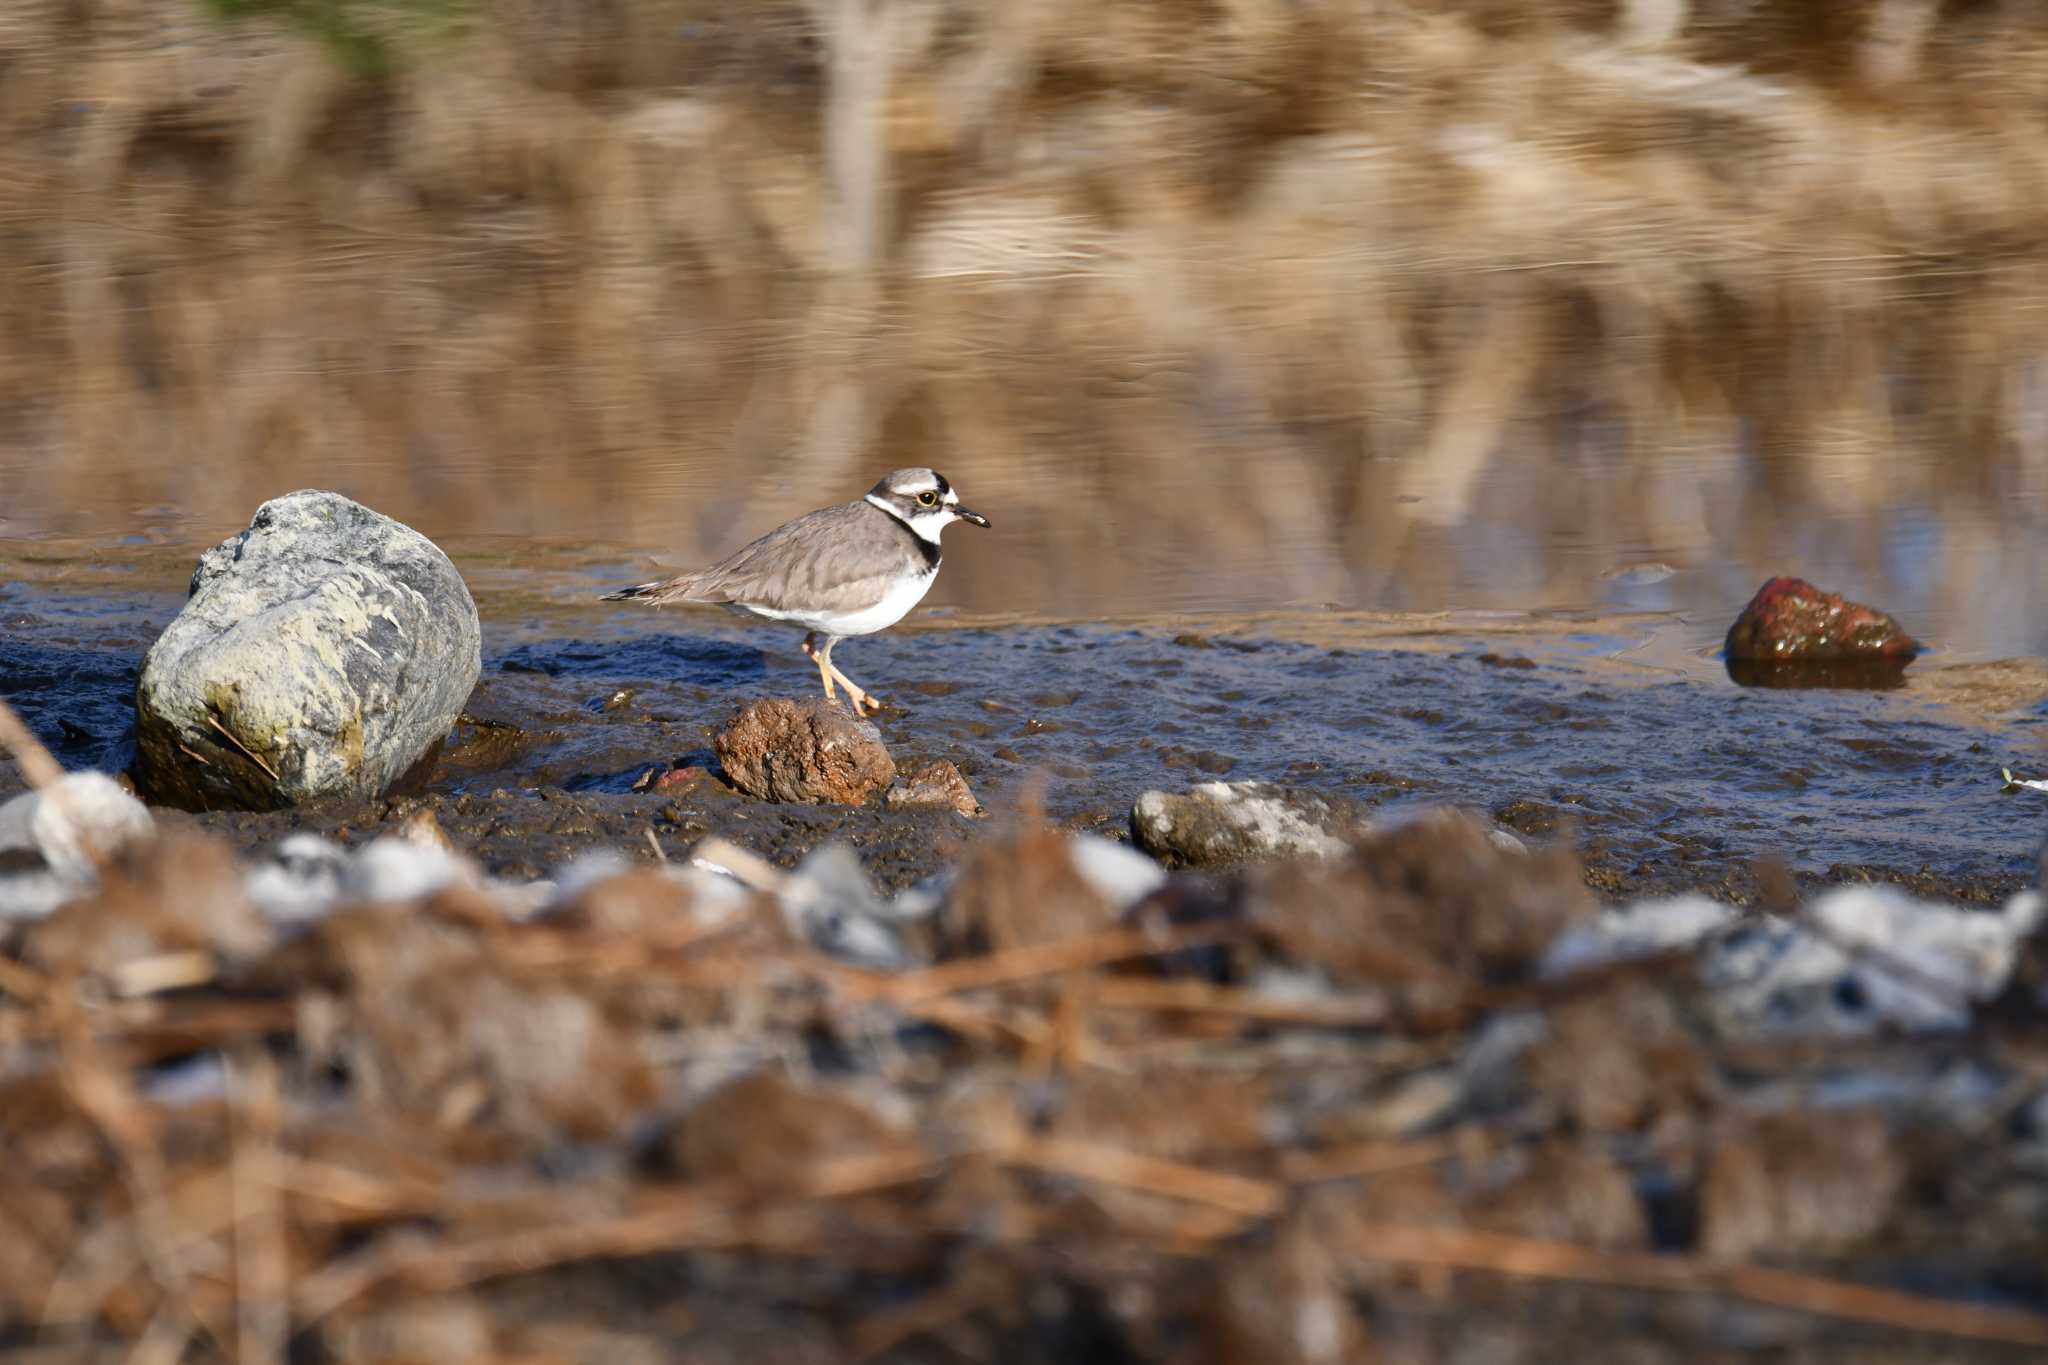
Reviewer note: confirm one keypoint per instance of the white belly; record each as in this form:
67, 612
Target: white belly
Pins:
885, 613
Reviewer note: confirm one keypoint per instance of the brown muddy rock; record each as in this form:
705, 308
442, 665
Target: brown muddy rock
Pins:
1430, 903
769, 1135
449, 1329
177, 893
1564, 1192
1619, 1059
436, 1013
640, 902
936, 784
804, 751
48, 1140
1175, 1114
1287, 1300
1791, 621
1018, 890
31, 1261
1797, 1184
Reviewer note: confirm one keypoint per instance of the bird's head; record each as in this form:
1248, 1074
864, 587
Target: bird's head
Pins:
923, 501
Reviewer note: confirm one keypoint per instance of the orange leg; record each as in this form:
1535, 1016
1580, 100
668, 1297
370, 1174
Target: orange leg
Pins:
823, 660
863, 700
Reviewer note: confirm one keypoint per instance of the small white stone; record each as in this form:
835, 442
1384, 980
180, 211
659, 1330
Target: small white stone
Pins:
1861, 960
299, 882
389, 869
62, 827
69, 820
1119, 873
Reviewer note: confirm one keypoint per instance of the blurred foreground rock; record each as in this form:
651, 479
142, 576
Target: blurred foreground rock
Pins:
1070, 1107
805, 751
50, 840
1429, 904
1234, 822
323, 652
173, 904
1792, 631
1860, 960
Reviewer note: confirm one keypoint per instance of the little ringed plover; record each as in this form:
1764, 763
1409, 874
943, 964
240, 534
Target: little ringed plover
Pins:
841, 571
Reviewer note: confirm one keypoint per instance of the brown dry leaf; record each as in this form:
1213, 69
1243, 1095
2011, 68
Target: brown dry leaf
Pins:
431, 1019
444, 1329
176, 893
634, 904
1428, 904
1287, 1300
1019, 889
1176, 1114
1618, 1059
1799, 1184
768, 1134
1564, 1192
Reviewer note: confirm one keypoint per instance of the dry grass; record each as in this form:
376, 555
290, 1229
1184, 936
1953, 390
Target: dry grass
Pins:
1317, 265
433, 1125
634, 1126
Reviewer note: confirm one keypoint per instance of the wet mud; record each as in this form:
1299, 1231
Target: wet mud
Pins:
1621, 734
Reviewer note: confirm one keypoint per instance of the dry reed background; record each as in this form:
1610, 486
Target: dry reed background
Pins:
1337, 298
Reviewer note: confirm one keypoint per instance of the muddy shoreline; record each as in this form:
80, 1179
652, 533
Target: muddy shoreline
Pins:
1621, 733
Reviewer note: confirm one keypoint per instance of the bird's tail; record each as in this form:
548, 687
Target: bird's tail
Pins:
640, 593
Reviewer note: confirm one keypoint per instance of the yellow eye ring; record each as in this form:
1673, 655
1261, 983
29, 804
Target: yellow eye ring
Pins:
928, 498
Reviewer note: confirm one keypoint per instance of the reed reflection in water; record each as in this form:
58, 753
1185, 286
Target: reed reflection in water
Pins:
1389, 306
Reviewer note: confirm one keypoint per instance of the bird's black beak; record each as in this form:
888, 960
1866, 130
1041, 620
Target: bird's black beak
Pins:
965, 515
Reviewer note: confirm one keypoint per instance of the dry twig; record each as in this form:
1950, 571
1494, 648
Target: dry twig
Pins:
1534, 1258
38, 768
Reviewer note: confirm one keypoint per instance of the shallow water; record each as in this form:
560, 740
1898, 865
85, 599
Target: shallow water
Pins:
1622, 729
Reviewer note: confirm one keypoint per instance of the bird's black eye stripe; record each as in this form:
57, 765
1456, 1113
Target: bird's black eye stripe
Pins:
928, 498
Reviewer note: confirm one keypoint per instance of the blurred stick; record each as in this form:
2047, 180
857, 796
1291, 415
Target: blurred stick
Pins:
261, 1259
1151, 1175
166, 972
745, 866
1201, 997
38, 768
706, 1218
1534, 1258
105, 1094
973, 1288
244, 749
1365, 1158
1040, 960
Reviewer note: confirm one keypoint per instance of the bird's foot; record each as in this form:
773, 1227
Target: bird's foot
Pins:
825, 670
864, 702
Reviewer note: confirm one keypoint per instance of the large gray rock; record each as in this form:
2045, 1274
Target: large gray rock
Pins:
322, 652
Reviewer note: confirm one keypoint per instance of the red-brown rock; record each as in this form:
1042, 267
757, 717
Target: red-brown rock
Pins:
676, 778
1791, 621
807, 751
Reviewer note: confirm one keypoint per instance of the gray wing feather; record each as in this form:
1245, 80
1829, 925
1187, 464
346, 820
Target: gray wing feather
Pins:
843, 557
